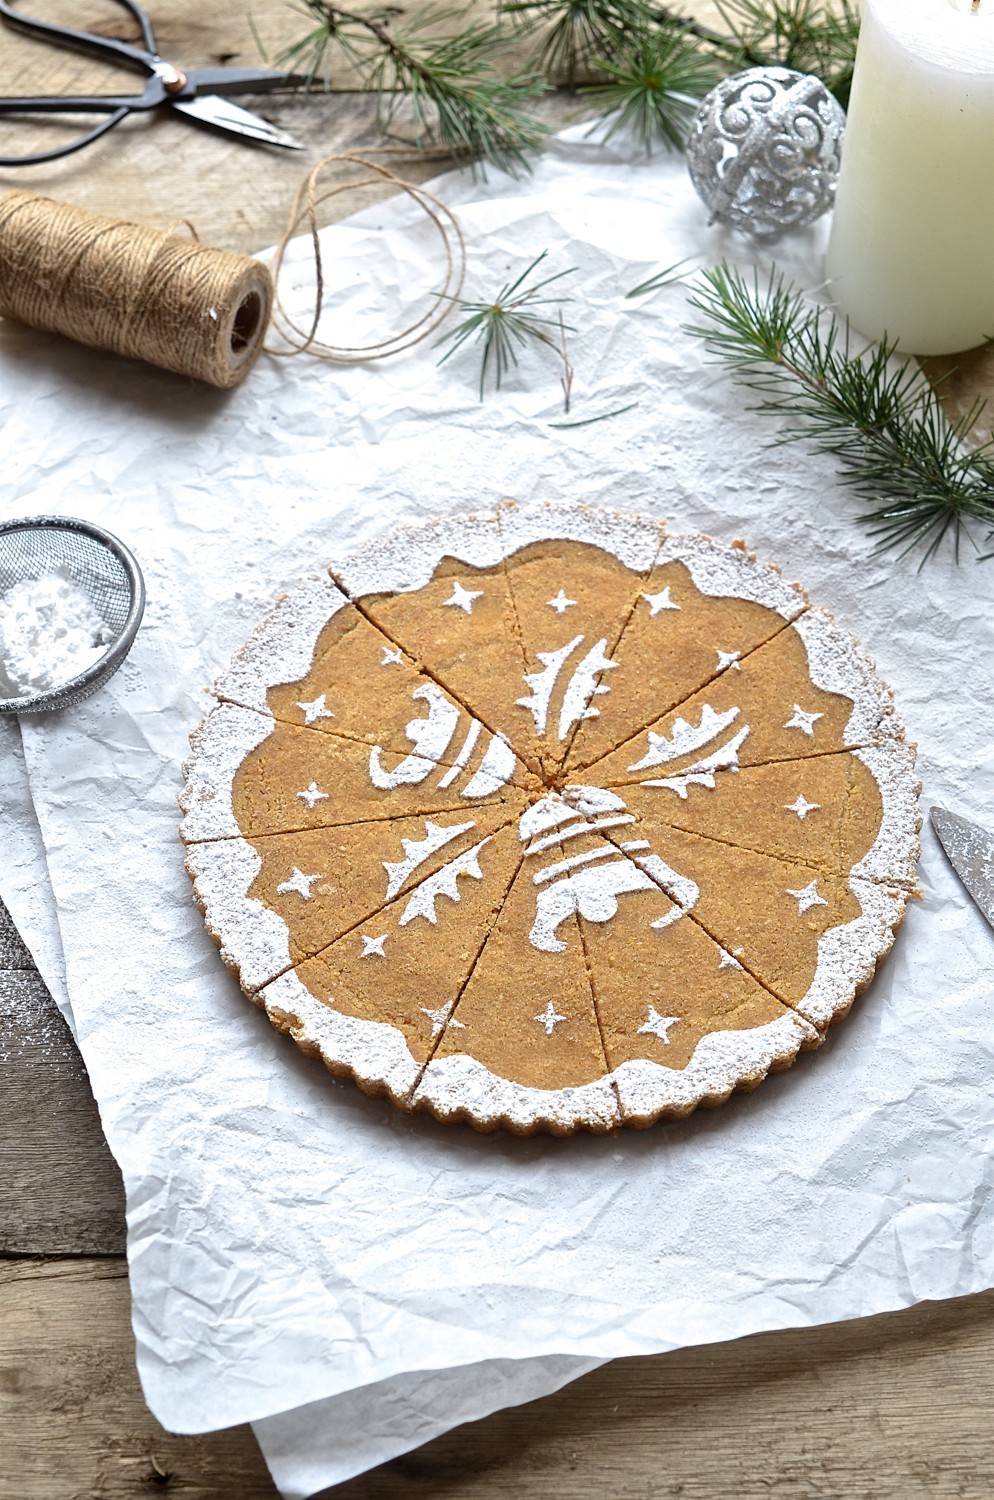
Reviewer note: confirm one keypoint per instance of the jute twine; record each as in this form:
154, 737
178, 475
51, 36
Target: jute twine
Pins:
139, 292
185, 306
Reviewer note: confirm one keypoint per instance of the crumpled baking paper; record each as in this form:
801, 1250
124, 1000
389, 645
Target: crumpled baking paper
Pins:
295, 1247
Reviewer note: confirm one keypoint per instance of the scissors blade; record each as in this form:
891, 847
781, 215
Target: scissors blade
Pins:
970, 850
209, 109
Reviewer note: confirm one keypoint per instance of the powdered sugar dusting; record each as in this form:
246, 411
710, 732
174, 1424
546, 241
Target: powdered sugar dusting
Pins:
460, 1088
633, 539
49, 634
227, 735
836, 664
896, 848
723, 1061
733, 573
406, 559
254, 940
372, 1052
282, 648
848, 955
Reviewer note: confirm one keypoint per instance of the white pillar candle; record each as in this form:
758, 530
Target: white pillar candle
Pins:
912, 247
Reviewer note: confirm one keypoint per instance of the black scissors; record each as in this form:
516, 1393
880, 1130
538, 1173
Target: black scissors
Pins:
198, 92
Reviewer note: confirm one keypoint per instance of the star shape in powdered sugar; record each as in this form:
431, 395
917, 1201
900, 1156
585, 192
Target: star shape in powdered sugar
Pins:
463, 598
659, 601
316, 709
729, 659
560, 603
549, 1018
803, 721
299, 882
371, 945
440, 1017
657, 1025
807, 898
392, 654
801, 807
311, 794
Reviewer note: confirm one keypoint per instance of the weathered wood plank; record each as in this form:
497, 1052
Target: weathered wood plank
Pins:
890, 1407
60, 1189
73, 1421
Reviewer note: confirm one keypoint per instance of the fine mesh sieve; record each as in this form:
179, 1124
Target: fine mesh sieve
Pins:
101, 566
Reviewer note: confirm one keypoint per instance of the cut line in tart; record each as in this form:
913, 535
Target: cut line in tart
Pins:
550, 820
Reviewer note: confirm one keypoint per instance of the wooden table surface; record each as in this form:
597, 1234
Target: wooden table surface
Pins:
891, 1406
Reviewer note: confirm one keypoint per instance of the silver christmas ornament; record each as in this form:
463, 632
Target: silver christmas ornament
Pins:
764, 151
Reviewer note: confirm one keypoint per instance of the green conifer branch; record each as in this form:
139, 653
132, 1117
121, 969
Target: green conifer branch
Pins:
885, 424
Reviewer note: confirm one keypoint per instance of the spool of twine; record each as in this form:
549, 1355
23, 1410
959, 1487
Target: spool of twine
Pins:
139, 292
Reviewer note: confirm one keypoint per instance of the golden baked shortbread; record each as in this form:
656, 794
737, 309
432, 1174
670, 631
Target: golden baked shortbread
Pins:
551, 820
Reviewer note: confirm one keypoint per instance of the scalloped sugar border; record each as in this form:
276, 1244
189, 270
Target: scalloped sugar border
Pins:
254, 940
731, 571
461, 1088
893, 856
719, 1068
372, 1053
405, 562
837, 663
405, 559
848, 955
636, 539
217, 748
281, 648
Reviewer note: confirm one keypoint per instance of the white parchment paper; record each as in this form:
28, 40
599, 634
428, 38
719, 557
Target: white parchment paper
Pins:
291, 1241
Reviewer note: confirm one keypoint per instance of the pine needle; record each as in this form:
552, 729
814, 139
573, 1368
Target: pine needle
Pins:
678, 271
655, 83
602, 417
896, 447
509, 323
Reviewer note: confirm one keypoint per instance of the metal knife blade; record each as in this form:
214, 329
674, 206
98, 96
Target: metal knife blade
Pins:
970, 850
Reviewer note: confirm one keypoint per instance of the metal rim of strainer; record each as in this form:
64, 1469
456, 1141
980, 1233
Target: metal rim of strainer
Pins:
75, 689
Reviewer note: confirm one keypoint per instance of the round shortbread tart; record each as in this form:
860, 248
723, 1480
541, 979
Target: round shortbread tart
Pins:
551, 820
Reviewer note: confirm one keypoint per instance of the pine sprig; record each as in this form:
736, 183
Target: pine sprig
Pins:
448, 82
654, 87
516, 317
884, 424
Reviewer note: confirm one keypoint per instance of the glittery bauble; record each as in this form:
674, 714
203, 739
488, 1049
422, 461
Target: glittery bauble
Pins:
764, 151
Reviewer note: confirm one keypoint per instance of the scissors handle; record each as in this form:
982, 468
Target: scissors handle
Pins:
143, 58
119, 113
81, 104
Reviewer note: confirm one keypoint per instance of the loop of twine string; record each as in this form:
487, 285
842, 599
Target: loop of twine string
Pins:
305, 211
